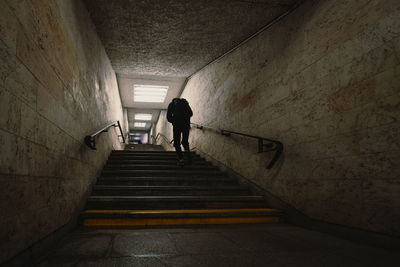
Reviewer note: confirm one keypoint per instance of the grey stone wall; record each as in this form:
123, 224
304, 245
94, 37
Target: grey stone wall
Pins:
325, 81
56, 86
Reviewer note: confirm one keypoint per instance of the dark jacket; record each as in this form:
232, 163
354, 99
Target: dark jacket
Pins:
179, 112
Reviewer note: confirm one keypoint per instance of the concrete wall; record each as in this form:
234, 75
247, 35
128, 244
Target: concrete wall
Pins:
165, 128
325, 81
56, 86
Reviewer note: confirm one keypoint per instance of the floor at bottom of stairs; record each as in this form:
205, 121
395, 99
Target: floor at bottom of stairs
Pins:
239, 245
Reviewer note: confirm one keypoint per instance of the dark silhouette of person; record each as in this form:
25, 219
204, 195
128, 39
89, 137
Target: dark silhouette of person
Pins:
179, 113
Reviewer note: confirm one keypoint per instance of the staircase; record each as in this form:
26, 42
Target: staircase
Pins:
147, 188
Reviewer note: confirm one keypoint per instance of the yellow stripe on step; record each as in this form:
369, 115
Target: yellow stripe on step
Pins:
187, 211
178, 221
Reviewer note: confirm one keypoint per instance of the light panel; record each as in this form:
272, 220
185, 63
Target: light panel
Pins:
139, 124
143, 116
149, 93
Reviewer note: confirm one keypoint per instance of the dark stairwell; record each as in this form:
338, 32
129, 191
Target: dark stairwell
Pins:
321, 76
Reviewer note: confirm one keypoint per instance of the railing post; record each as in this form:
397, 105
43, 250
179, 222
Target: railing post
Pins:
122, 134
278, 152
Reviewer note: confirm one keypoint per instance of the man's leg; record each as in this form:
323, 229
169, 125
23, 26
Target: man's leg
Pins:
185, 143
177, 141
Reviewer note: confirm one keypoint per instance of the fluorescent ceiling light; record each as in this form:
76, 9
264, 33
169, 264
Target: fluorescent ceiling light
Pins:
149, 93
143, 117
139, 124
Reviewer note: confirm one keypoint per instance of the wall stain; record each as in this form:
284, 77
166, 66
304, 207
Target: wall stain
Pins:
349, 96
237, 102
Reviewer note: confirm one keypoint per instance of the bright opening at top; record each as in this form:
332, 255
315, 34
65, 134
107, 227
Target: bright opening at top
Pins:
149, 93
143, 117
139, 124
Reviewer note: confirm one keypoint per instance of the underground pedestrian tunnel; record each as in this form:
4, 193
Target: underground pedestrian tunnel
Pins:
295, 134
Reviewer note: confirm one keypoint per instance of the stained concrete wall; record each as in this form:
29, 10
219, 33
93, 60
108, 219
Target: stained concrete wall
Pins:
56, 86
324, 81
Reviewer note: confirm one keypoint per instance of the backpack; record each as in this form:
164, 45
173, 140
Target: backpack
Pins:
182, 112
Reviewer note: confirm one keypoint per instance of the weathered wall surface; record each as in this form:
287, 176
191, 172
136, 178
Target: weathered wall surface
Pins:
56, 86
165, 128
326, 82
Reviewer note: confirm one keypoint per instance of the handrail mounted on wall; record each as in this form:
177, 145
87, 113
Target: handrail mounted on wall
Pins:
90, 140
164, 137
271, 145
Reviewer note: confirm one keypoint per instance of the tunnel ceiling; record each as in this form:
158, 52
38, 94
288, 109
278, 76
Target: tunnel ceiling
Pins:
165, 41
176, 38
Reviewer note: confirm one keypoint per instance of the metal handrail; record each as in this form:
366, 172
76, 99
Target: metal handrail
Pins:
90, 140
272, 145
163, 136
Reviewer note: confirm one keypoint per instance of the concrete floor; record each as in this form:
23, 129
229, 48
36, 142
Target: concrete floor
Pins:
244, 245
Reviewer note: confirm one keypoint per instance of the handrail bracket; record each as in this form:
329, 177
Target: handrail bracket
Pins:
90, 141
225, 133
265, 147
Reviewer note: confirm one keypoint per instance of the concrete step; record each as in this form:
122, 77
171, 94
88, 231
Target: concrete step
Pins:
180, 213
162, 154
171, 162
178, 172
143, 147
144, 152
158, 167
113, 190
149, 157
174, 202
108, 218
148, 153
148, 180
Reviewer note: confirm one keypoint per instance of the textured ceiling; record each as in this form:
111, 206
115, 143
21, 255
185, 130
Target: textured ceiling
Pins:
175, 38
165, 41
